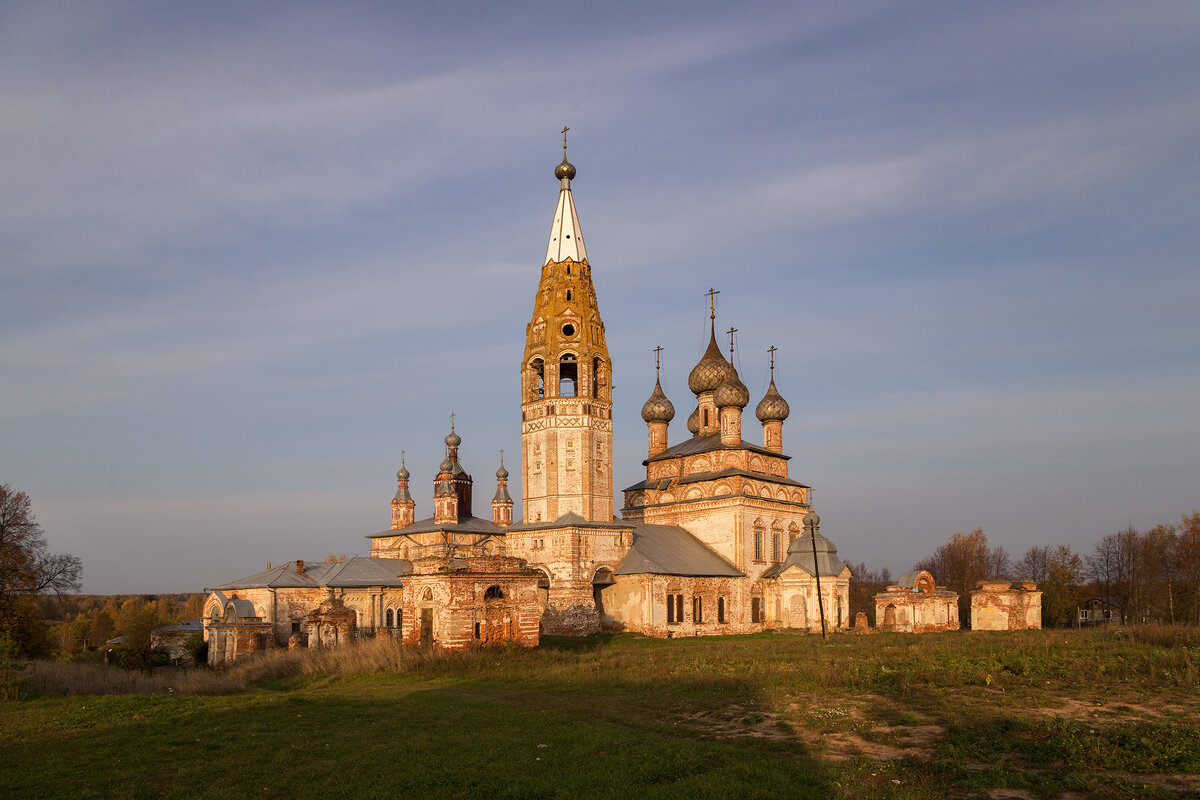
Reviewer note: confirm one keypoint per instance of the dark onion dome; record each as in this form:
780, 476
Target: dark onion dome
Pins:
502, 473
565, 169
693, 423
658, 408
453, 439
446, 465
772, 408
712, 370
402, 473
732, 392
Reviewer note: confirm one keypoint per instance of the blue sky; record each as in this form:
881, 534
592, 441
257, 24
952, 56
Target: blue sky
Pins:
253, 251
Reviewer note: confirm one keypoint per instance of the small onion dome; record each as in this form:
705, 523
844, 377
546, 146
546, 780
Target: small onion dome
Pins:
772, 408
712, 370
453, 439
693, 423
402, 473
446, 465
812, 520
658, 408
565, 169
502, 473
732, 392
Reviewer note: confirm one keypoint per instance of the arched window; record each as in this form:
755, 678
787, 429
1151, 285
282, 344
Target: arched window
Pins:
596, 377
493, 593
758, 541
391, 618
537, 390
793, 533
568, 375
776, 542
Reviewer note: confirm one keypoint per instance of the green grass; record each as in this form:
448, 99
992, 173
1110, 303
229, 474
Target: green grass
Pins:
754, 716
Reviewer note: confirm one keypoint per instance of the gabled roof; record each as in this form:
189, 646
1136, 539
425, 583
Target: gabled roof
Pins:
570, 520
353, 572
671, 550
703, 444
476, 525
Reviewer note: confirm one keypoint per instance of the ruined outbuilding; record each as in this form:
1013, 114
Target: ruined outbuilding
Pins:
1005, 606
915, 604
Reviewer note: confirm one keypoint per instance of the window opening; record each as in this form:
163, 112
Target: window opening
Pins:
756, 609
493, 593
539, 371
721, 611
568, 375
697, 610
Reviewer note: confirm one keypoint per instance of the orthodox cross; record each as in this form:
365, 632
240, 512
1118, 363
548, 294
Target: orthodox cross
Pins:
564, 133
502, 457
772, 350
402, 459
452, 422
712, 302
657, 359
731, 332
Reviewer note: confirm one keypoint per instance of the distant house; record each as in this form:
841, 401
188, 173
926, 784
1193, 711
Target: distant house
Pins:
1099, 611
173, 638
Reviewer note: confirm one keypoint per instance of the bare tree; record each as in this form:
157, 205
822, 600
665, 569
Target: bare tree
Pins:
26, 569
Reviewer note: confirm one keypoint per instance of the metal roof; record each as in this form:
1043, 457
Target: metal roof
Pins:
353, 572
671, 550
570, 520
703, 444
477, 525
800, 555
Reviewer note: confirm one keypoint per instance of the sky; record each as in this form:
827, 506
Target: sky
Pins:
250, 253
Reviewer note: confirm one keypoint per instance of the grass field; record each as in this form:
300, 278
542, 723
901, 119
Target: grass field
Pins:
1032, 714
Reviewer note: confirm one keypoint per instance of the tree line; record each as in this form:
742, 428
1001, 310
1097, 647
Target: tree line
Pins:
1140, 576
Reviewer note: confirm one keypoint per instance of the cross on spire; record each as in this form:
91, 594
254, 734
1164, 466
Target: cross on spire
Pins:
502, 456
731, 332
564, 133
452, 422
772, 350
657, 360
712, 303
402, 458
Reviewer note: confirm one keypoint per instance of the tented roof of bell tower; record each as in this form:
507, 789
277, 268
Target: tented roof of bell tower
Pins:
566, 237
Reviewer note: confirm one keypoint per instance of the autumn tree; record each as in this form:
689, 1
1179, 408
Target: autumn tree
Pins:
136, 620
27, 570
963, 562
1062, 588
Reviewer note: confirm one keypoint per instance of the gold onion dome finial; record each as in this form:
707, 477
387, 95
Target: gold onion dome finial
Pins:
565, 169
502, 473
402, 474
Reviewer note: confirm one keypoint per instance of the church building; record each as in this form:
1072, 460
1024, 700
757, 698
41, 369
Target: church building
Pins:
718, 538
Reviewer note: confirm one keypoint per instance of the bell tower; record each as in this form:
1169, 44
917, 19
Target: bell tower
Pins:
566, 383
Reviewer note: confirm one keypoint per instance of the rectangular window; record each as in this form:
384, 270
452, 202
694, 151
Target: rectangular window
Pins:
756, 609
758, 546
697, 610
775, 558
674, 609
295, 627
721, 611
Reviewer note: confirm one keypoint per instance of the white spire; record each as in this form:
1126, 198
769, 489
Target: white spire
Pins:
566, 238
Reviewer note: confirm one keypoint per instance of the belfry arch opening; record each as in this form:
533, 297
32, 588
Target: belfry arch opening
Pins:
537, 379
568, 375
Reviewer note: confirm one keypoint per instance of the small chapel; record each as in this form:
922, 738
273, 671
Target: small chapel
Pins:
717, 539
